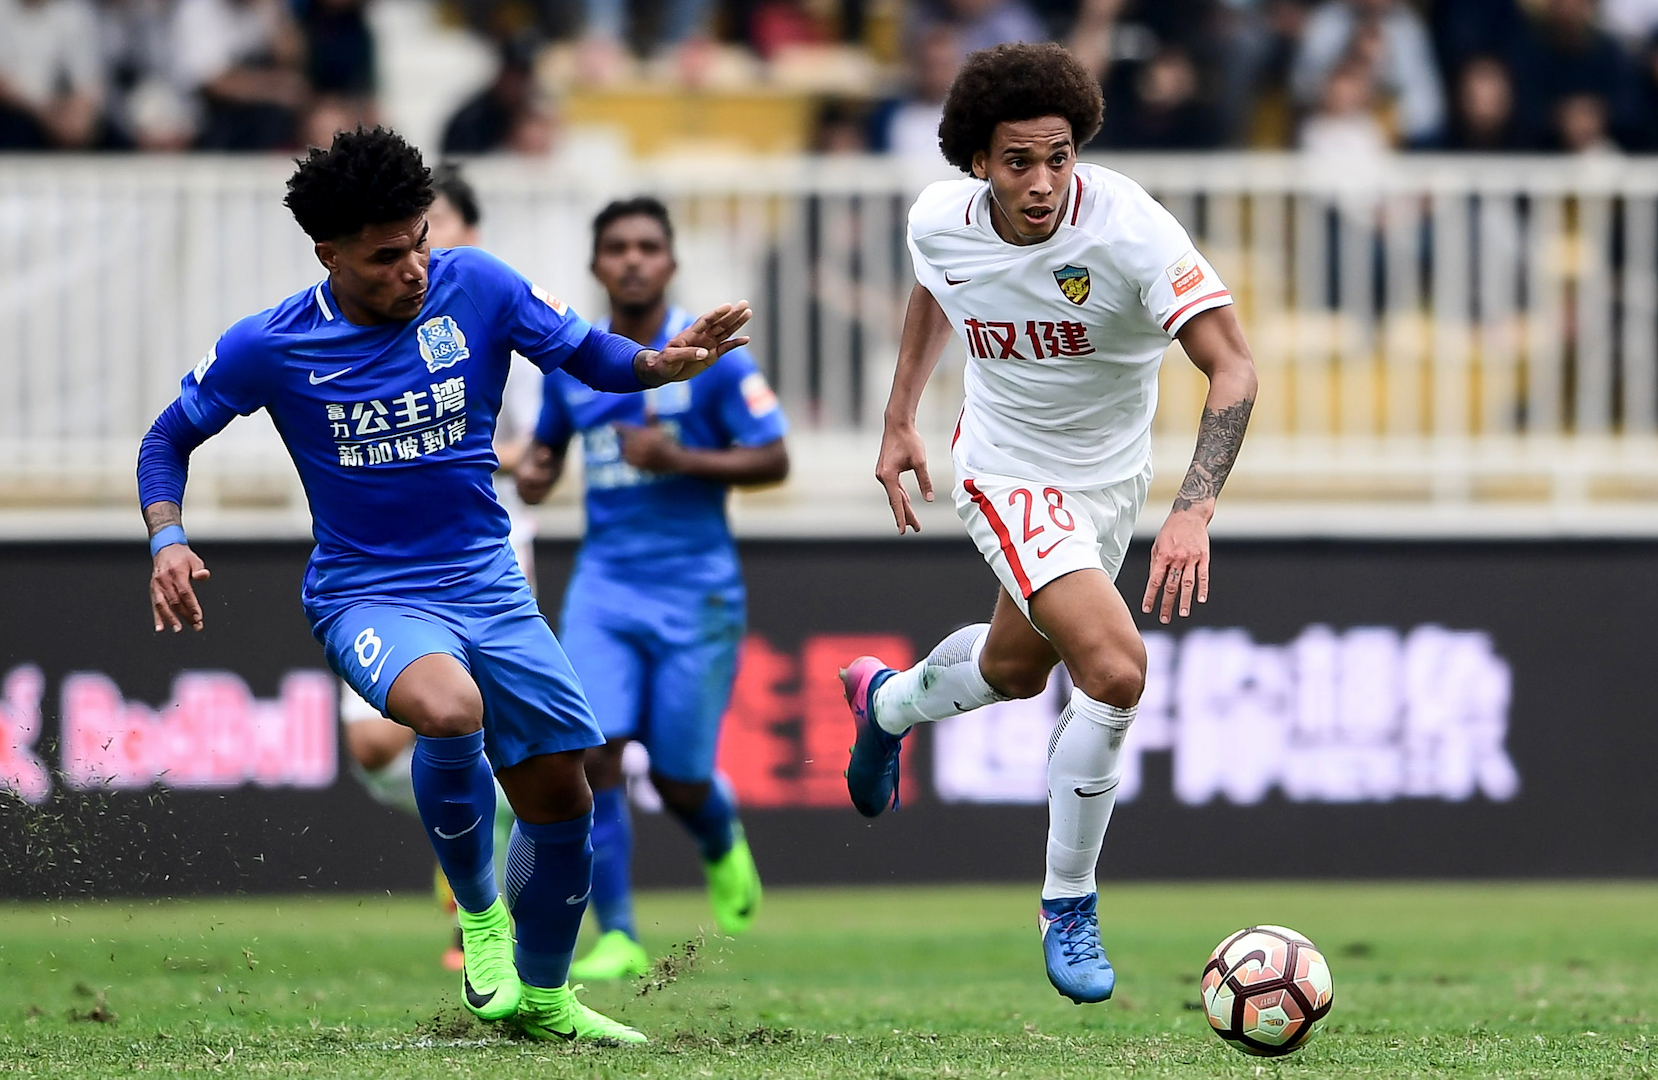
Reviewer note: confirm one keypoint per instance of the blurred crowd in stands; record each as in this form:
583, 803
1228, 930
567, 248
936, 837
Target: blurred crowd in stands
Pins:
1348, 77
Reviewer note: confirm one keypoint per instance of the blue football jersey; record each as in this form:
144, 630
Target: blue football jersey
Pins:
653, 527
391, 426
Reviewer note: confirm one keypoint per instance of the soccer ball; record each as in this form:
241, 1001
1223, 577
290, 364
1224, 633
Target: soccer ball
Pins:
1265, 989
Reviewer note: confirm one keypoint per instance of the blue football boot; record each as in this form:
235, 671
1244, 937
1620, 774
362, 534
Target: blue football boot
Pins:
1071, 946
872, 775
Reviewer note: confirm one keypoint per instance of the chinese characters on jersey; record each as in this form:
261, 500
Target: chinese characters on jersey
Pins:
409, 426
1033, 340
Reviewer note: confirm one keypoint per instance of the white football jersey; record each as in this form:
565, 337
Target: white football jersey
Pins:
1064, 338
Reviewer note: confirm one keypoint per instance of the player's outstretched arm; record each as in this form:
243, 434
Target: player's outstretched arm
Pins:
926, 329
694, 349
1180, 557
163, 463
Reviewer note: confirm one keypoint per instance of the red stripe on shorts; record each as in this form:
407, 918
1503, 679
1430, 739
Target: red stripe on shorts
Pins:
957, 436
1002, 535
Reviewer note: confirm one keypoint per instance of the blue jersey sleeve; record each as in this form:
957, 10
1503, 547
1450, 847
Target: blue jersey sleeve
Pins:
229, 382
555, 425
537, 324
749, 411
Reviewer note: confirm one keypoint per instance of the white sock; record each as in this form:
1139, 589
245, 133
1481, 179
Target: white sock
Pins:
947, 683
1084, 769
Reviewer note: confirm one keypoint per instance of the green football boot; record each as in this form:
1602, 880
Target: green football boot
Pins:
556, 1014
734, 887
613, 956
489, 979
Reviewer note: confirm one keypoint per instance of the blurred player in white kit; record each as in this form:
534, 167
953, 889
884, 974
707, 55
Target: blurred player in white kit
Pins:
1067, 283
382, 750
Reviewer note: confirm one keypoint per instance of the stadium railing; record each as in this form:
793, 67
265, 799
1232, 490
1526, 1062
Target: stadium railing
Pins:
1446, 344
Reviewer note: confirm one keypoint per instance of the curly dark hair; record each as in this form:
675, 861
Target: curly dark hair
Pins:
1016, 82
365, 178
638, 206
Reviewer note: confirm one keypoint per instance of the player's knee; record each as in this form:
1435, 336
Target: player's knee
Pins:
445, 713
1014, 677
374, 744
1114, 678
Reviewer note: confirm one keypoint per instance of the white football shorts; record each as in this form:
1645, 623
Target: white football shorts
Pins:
1031, 533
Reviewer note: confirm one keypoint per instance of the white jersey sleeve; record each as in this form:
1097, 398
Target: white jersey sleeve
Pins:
1154, 253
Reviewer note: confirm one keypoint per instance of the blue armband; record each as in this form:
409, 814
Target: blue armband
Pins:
167, 536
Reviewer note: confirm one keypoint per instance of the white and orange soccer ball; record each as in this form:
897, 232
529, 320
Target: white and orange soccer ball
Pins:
1265, 990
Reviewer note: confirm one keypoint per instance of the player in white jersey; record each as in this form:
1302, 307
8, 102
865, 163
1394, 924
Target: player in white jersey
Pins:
1067, 282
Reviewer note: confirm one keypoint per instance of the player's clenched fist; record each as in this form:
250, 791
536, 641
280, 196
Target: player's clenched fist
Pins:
172, 588
902, 451
694, 349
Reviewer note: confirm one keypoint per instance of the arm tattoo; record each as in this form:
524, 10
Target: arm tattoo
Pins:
1219, 435
159, 515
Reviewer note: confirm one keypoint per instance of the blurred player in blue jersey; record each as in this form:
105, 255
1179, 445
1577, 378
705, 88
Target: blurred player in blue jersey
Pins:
655, 612
384, 380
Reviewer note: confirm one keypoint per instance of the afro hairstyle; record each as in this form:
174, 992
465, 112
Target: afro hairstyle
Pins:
367, 177
1011, 83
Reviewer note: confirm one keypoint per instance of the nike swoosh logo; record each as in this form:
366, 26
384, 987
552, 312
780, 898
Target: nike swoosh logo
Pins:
1094, 794
475, 999
375, 678
456, 836
948, 280
567, 1036
582, 899
1042, 553
318, 382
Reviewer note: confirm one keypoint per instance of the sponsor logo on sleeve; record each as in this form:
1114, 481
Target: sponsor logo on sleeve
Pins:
1073, 282
549, 299
1185, 275
757, 394
206, 362
441, 343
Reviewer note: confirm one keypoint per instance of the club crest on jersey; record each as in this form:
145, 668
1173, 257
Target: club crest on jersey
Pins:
1073, 282
441, 343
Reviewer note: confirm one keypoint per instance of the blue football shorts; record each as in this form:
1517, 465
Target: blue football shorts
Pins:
533, 702
657, 664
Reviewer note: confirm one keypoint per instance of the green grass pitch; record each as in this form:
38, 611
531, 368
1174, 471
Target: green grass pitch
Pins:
1431, 980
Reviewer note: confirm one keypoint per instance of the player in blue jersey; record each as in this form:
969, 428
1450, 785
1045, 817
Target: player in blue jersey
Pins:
384, 380
655, 611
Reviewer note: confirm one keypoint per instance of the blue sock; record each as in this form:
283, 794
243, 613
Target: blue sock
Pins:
714, 823
549, 876
613, 861
455, 792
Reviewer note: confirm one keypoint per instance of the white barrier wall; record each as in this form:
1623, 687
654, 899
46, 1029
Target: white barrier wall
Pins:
1433, 333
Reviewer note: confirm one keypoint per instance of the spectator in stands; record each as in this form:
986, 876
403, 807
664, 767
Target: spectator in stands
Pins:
50, 84
774, 25
144, 108
1485, 120
841, 127
979, 24
668, 26
908, 126
340, 47
243, 59
1466, 29
1344, 127
1565, 55
505, 115
1390, 36
1583, 125
1165, 111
